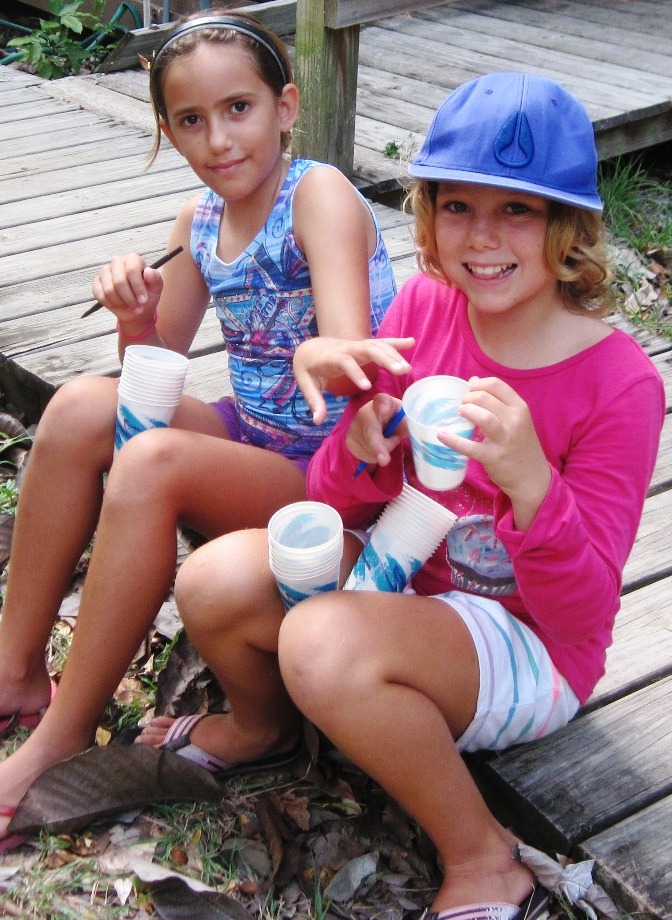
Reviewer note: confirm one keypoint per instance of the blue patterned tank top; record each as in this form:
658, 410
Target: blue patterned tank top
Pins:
264, 302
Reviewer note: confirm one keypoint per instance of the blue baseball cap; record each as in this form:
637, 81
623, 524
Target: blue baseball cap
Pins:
515, 131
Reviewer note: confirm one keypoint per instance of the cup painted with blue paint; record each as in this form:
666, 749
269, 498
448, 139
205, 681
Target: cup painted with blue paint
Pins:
403, 538
431, 404
305, 548
150, 388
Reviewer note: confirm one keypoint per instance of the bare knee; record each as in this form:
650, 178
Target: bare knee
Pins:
316, 649
226, 585
146, 467
80, 414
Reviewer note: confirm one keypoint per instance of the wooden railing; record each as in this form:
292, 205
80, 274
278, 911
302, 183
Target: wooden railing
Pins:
327, 53
326, 61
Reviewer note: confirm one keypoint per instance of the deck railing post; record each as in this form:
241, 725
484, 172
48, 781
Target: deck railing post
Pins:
326, 74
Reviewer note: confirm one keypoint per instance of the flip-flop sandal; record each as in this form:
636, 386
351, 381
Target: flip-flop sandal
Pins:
13, 841
535, 907
178, 740
13, 721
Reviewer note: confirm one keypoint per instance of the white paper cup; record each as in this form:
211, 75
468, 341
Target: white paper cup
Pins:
134, 417
305, 548
402, 540
430, 405
150, 388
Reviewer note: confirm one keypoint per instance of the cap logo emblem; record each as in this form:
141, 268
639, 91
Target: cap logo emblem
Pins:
513, 145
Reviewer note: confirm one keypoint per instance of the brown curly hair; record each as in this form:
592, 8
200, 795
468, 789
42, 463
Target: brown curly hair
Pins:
274, 77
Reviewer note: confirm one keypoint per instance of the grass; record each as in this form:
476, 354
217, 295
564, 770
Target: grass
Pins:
637, 206
638, 216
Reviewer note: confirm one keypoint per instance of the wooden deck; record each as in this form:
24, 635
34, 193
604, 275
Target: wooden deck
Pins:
73, 193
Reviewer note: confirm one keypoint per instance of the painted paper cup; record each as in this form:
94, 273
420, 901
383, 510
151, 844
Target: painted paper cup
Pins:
150, 388
305, 548
432, 404
402, 540
134, 417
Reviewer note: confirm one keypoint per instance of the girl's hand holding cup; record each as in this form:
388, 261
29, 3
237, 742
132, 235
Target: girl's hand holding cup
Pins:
509, 450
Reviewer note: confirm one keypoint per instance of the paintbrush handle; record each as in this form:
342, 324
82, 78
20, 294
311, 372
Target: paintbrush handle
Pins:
159, 262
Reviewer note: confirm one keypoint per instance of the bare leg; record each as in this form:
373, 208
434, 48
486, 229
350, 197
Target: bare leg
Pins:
231, 609
160, 477
58, 509
405, 674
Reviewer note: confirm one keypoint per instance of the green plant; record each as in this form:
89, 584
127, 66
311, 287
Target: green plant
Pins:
392, 150
55, 48
637, 208
9, 496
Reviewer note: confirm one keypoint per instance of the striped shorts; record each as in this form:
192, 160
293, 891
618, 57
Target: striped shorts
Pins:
522, 696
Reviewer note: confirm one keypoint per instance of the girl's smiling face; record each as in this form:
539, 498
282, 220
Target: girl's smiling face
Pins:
490, 242
225, 120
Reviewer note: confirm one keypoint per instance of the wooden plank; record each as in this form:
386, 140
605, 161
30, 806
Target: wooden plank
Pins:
97, 98
72, 121
633, 862
94, 179
620, 86
662, 474
93, 221
591, 774
10, 75
650, 556
59, 257
534, 24
277, 15
28, 111
642, 647
339, 14
23, 154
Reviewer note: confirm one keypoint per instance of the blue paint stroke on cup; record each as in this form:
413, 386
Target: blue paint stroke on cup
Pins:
129, 424
302, 532
383, 573
291, 596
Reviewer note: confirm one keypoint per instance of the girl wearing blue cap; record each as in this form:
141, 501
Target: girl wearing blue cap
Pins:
502, 635
286, 248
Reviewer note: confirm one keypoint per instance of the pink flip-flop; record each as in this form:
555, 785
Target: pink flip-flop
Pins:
12, 721
13, 841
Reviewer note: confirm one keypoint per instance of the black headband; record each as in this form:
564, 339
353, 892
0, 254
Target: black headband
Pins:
224, 22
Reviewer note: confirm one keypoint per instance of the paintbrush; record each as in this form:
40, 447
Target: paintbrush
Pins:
159, 262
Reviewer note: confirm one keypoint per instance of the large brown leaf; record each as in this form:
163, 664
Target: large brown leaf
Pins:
105, 781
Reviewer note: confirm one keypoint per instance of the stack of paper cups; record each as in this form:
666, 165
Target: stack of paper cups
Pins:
402, 540
150, 388
305, 548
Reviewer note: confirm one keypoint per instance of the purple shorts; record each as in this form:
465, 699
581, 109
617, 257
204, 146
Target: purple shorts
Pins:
226, 409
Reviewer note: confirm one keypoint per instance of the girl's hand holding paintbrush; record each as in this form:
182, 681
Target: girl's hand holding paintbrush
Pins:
375, 431
131, 289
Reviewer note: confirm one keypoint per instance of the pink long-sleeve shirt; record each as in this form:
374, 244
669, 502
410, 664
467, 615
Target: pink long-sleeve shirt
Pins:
598, 416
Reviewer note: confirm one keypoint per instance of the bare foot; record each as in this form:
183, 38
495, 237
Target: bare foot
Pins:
497, 878
27, 697
17, 774
219, 736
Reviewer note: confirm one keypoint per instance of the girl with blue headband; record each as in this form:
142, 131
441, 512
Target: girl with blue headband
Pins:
502, 634
288, 251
